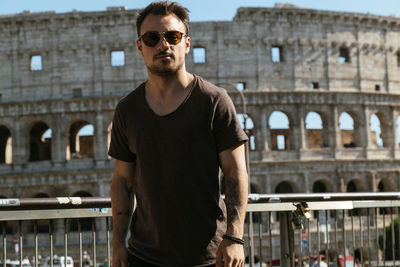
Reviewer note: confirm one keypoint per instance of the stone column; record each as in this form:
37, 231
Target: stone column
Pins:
58, 137
299, 128
374, 182
365, 136
334, 131
20, 145
307, 187
100, 144
393, 132
266, 136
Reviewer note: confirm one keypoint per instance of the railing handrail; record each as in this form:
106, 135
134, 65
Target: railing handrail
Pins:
54, 203
298, 197
105, 202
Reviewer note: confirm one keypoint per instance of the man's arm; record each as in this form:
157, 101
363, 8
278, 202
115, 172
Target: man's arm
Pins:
233, 165
122, 205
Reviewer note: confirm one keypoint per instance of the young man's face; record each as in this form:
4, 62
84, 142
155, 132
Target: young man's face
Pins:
163, 59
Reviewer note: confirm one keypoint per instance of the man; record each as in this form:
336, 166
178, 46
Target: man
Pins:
170, 136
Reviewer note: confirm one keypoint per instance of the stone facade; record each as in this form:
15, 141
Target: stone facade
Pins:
58, 73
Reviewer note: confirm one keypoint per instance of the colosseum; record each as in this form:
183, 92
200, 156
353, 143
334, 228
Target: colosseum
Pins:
321, 91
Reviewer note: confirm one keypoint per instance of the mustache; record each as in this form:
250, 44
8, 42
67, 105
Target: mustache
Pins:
163, 53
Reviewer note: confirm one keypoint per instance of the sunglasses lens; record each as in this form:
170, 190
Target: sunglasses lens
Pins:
151, 38
173, 37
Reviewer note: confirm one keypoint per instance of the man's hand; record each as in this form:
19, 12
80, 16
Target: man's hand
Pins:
119, 256
231, 253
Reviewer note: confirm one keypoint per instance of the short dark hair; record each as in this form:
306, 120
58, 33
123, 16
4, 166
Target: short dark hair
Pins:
164, 8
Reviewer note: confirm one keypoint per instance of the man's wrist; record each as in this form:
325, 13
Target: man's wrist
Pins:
233, 239
235, 230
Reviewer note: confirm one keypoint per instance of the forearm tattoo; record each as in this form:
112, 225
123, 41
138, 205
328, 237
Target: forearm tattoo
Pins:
232, 199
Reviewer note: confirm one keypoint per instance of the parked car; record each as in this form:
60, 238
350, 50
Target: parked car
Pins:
58, 262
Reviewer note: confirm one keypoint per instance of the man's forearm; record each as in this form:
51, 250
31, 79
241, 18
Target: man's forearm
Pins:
121, 202
236, 190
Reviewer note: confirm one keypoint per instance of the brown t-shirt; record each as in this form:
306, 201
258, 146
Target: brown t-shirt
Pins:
180, 217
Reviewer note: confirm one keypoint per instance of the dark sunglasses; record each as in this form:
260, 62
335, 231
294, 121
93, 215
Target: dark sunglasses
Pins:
152, 38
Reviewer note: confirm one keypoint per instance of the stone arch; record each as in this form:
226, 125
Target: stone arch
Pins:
354, 185
387, 185
379, 130
86, 223
42, 226
80, 140
347, 132
322, 186
5, 145
285, 187
315, 123
40, 142
358, 127
246, 120
255, 188
279, 126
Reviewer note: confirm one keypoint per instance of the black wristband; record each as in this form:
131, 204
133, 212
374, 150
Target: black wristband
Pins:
234, 239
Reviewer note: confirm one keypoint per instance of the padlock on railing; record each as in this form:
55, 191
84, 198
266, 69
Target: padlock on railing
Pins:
299, 216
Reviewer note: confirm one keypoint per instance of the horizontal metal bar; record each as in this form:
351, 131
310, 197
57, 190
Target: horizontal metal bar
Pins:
54, 214
376, 204
54, 203
272, 198
328, 205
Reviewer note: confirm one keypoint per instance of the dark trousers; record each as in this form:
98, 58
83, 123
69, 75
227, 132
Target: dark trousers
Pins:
134, 261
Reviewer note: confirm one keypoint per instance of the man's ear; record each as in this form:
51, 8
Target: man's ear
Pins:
187, 43
139, 47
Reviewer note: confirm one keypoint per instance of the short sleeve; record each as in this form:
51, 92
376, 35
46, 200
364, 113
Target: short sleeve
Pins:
226, 127
119, 145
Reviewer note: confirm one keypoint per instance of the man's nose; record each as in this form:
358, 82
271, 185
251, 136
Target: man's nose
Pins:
163, 44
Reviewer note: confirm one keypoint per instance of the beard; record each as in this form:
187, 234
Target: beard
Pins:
164, 68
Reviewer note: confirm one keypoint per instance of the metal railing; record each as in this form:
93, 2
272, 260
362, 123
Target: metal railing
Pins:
352, 227
285, 230
63, 221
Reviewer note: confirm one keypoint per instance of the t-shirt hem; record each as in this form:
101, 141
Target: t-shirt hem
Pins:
118, 157
235, 143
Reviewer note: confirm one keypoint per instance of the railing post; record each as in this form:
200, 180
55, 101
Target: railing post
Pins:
287, 240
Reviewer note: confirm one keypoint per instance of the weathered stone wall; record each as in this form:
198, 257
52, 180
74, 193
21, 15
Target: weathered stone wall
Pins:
330, 63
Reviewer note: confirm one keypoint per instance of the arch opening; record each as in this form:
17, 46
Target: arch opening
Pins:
284, 188
5, 145
81, 140
40, 142
319, 187
375, 131
314, 130
346, 127
245, 120
387, 185
279, 130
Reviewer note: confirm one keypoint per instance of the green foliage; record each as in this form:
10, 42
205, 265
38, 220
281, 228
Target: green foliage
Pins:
388, 253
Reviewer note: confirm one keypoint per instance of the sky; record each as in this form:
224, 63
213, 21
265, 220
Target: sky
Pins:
203, 10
